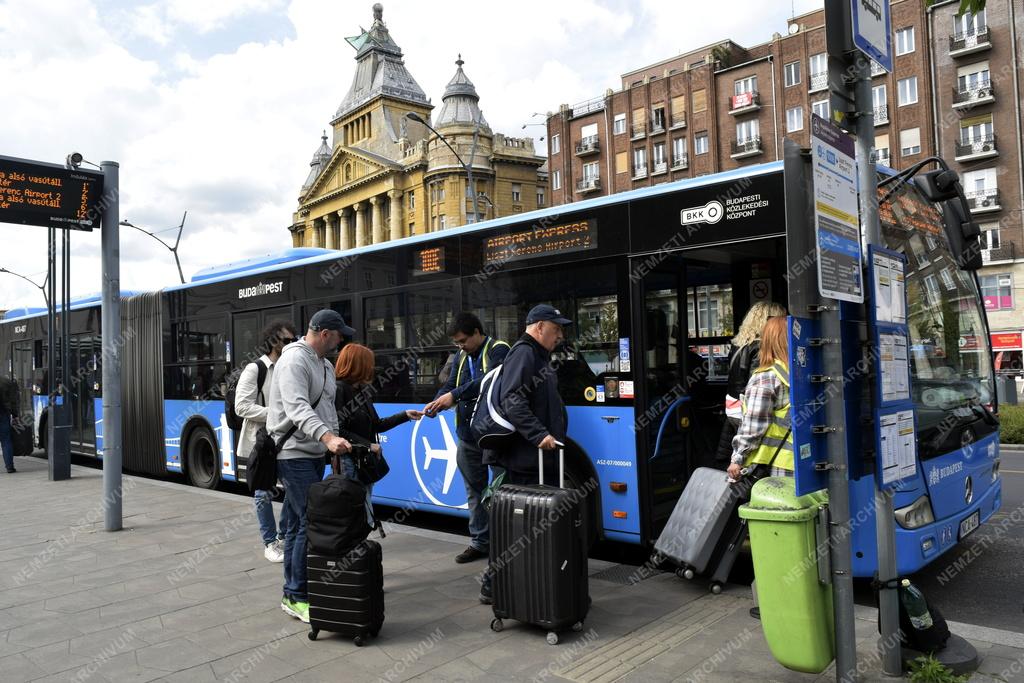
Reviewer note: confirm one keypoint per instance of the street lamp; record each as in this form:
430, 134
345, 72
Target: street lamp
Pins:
173, 250
468, 168
41, 288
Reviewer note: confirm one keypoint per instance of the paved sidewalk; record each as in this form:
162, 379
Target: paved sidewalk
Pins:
183, 594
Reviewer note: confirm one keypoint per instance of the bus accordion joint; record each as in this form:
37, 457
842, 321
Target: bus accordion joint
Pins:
617, 486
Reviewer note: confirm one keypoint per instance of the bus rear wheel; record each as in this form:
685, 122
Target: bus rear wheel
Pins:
202, 459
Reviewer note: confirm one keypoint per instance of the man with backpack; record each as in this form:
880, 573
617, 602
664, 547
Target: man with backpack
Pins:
478, 353
250, 406
8, 409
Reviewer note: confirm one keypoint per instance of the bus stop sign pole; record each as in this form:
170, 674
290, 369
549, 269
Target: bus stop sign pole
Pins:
111, 334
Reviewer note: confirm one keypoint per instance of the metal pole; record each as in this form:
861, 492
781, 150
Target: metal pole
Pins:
111, 354
61, 414
51, 349
885, 519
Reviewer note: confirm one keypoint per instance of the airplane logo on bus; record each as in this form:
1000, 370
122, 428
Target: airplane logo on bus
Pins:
437, 444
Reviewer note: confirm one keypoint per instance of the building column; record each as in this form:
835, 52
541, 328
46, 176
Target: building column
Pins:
377, 219
345, 229
360, 225
330, 223
396, 214
313, 235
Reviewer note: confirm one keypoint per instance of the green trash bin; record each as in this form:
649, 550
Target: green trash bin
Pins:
793, 596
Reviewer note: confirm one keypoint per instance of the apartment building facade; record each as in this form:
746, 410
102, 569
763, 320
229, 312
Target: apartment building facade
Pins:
954, 92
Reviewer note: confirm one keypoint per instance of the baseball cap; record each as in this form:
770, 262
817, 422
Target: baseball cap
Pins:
546, 312
329, 319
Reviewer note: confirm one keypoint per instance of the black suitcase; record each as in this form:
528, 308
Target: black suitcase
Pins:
704, 534
346, 594
21, 437
539, 556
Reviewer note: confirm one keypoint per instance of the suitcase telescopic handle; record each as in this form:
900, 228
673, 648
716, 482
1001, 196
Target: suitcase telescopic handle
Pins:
561, 464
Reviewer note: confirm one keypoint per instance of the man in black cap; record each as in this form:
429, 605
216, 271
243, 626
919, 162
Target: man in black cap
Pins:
301, 403
530, 400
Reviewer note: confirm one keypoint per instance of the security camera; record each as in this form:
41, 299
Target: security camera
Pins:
74, 160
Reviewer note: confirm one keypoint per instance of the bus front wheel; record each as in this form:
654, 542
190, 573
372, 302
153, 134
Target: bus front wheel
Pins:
202, 458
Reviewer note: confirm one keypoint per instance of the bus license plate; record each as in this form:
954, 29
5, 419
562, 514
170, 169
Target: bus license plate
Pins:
970, 524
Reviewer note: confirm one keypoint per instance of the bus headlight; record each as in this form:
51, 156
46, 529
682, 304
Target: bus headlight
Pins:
917, 514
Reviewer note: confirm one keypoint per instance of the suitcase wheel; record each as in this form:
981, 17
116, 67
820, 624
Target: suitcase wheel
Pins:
497, 625
578, 626
685, 573
716, 588
552, 638
358, 641
313, 634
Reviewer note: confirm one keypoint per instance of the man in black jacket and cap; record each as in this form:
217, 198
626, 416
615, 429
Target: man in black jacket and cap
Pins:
530, 400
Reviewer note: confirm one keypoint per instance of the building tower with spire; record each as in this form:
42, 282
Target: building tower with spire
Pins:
384, 176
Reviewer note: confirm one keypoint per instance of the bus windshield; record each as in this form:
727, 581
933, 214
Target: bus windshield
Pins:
950, 364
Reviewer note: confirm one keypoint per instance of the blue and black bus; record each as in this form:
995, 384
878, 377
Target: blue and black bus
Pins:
657, 281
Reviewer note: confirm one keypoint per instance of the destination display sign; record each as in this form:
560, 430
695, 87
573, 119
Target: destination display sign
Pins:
541, 241
33, 193
430, 260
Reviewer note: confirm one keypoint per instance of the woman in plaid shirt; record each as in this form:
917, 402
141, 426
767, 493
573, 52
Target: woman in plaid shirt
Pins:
764, 437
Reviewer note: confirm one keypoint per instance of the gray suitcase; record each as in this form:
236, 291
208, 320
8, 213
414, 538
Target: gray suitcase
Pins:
700, 519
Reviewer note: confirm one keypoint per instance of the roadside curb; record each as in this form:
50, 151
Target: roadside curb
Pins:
987, 634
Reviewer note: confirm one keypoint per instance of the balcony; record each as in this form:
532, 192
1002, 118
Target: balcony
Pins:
746, 148
973, 150
660, 167
744, 102
975, 40
975, 96
882, 156
680, 162
1005, 252
588, 145
639, 130
588, 185
678, 121
818, 81
983, 201
881, 114
639, 172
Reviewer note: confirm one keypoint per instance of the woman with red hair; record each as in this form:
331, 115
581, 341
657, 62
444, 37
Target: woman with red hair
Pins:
358, 420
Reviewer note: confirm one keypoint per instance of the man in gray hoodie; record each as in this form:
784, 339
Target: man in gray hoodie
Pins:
301, 407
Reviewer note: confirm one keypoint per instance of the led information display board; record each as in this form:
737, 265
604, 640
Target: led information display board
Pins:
33, 193
541, 241
429, 260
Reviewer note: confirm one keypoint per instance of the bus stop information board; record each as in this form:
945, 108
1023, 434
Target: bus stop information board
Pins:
836, 212
32, 193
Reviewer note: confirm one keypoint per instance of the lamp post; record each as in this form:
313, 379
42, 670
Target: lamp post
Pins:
41, 288
468, 168
173, 250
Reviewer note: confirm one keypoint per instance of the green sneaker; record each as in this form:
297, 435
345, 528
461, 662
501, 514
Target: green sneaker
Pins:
294, 608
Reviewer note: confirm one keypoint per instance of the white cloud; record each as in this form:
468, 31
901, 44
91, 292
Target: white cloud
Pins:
228, 134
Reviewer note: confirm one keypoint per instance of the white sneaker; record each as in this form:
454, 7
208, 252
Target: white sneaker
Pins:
274, 552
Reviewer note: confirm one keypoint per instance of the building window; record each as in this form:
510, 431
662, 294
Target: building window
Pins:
678, 149
931, 290
947, 279
700, 100
792, 71
910, 142
973, 77
556, 180
619, 124
794, 119
540, 196
976, 131
990, 236
412, 201
659, 158
443, 221
700, 143
745, 85
968, 24
747, 131
905, 40
592, 171
997, 291
517, 192
907, 89
818, 70
556, 143
822, 108
640, 161
658, 118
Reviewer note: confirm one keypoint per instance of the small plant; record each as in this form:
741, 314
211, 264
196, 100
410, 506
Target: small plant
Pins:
930, 670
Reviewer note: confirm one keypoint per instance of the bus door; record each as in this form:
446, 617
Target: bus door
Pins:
84, 363
22, 371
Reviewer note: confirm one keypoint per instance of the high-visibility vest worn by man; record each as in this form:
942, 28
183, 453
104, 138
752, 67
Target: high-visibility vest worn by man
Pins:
764, 436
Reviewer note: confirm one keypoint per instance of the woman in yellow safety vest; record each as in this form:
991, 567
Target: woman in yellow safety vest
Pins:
764, 437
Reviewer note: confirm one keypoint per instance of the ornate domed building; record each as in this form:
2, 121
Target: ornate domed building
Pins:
385, 175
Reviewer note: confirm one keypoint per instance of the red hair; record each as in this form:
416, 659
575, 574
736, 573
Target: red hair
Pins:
355, 364
774, 342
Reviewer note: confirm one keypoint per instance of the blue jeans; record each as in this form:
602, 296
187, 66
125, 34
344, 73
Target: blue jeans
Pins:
348, 467
469, 458
263, 501
5, 439
297, 475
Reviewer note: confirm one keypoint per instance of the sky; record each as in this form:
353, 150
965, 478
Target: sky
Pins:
215, 107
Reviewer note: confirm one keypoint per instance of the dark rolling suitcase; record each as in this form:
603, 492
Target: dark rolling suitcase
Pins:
346, 593
539, 556
704, 533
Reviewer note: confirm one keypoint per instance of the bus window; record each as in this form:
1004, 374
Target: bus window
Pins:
201, 340
384, 325
245, 337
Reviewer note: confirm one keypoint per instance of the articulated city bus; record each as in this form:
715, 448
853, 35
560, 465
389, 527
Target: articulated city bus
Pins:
657, 281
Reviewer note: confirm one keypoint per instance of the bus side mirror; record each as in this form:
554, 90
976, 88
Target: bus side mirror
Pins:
939, 185
964, 234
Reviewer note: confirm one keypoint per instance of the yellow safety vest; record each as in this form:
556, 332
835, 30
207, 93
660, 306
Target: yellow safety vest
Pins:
778, 433
488, 343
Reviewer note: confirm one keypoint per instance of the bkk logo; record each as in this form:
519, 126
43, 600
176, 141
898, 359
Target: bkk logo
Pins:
432, 440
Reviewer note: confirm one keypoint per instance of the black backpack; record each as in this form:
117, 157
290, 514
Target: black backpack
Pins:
336, 516
233, 420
